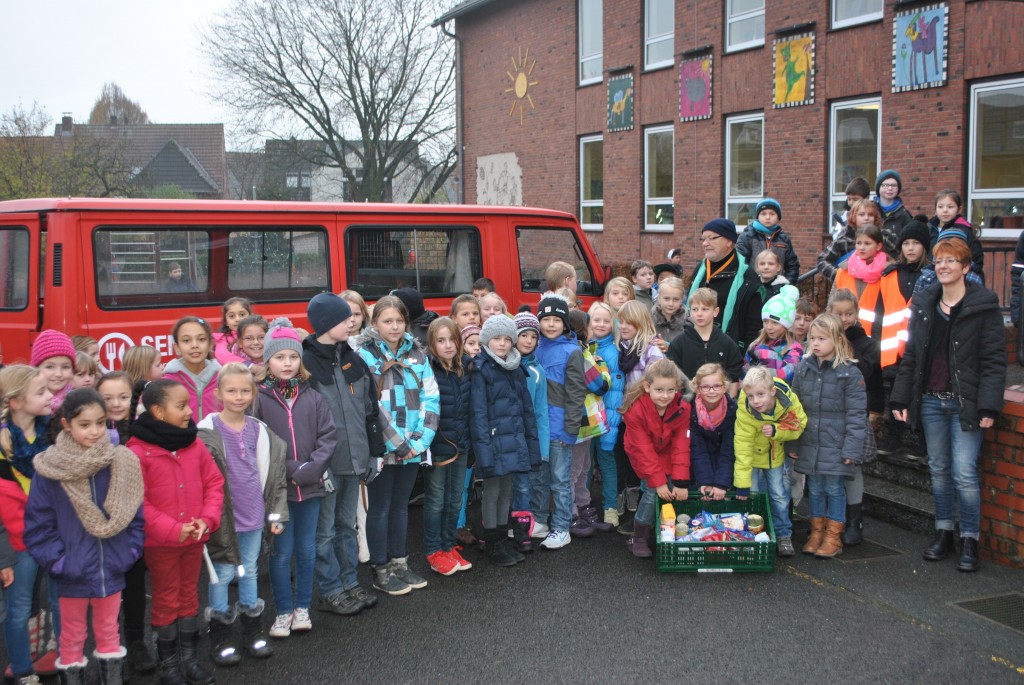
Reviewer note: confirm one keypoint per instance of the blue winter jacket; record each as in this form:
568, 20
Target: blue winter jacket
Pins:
501, 420
452, 436
82, 564
712, 453
537, 384
562, 359
609, 352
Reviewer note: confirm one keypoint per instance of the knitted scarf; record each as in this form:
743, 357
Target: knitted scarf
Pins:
628, 357
163, 434
761, 228
862, 271
72, 465
288, 389
509, 363
711, 418
23, 450
889, 209
58, 397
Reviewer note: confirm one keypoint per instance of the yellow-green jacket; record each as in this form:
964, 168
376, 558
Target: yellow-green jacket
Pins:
753, 449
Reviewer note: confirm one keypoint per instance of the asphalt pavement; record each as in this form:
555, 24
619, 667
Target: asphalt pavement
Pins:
591, 613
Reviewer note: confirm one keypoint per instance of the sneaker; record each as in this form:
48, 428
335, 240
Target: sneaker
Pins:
400, 567
342, 603
625, 528
785, 547
540, 531
458, 559
443, 563
367, 599
30, 679
611, 516
301, 621
556, 539
282, 626
579, 528
385, 580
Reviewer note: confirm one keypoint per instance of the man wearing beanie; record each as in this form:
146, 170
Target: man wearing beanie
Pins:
727, 272
895, 216
419, 318
332, 365
765, 233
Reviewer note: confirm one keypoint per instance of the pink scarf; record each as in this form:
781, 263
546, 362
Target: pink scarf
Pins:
710, 419
862, 271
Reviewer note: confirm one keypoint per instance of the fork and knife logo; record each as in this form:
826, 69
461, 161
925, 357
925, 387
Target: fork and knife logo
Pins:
112, 349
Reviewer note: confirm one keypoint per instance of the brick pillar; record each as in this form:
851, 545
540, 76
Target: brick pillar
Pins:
1002, 485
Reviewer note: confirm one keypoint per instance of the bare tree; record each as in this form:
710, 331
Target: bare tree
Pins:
367, 80
26, 168
112, 102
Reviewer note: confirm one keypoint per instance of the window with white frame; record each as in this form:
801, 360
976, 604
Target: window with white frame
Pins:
744, 166
659, 33
996, 150
855, 147
659, 169
592, 183
852, 12
591, 40
744, 24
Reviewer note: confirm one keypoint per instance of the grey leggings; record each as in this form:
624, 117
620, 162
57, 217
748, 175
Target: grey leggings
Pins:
855, 487
497, 499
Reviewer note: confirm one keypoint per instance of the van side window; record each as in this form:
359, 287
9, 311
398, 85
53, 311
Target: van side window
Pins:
539, 246
146, 262
439, 261
277, 259
14, 262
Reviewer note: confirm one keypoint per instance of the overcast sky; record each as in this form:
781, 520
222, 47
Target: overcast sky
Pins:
59, 53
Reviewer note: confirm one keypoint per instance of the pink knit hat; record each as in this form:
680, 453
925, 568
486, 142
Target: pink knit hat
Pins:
51, 343
468, 331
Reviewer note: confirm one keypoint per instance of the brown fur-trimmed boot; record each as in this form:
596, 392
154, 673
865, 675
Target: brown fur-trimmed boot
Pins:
817, 535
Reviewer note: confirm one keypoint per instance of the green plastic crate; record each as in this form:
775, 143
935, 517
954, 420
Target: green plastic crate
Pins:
738, 557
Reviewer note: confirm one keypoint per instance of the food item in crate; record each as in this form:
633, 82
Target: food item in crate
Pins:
683, 518
733, 521
755, 523
682, 530
668, 512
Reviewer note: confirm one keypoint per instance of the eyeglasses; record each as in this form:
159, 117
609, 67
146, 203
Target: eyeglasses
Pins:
711, 388
948, 261
889, 185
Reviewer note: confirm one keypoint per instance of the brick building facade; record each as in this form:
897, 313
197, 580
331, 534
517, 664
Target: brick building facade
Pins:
527, 124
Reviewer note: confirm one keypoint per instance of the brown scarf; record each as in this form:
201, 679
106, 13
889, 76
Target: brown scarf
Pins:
72, 465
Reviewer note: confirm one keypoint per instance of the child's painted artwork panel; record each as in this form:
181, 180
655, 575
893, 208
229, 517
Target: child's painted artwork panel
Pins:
920, 42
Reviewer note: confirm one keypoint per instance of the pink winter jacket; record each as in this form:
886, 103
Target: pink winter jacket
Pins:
201, 397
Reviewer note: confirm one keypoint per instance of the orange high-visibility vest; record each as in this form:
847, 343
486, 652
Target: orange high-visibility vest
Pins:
895, 321
867, 301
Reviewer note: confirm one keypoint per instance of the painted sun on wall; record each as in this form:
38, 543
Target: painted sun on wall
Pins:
793, 71
919, 41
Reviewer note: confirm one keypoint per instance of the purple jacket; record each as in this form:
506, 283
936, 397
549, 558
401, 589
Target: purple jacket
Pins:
307, 428
82, 565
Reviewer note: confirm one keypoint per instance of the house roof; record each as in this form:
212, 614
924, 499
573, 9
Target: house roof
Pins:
460, 10
196, 146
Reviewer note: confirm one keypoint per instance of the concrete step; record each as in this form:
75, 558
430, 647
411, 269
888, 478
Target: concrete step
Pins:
901, 505
900, 469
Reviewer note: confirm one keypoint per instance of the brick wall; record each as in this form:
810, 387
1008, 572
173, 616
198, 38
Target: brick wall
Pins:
1002, 485
923, 132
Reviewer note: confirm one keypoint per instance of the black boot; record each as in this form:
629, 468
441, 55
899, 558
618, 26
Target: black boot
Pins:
73, 675
111, 668
190, 666
510, 545
968, 555
140, 659
853, 533
522, 521
253, 638
941, 546
223, 644
168, 660
494, 550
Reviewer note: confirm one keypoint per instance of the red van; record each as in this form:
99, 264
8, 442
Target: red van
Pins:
104, 265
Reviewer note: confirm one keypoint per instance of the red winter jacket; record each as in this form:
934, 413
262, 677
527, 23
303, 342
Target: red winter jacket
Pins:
180, 486
12, 512
658, 446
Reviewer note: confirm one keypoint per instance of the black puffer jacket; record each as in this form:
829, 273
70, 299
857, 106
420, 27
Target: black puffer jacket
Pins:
977, 355
452, 437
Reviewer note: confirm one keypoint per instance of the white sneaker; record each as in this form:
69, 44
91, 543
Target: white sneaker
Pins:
300, 620
556, 539
282, 626
540, 531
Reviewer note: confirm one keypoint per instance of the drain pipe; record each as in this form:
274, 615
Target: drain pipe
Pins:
459, 146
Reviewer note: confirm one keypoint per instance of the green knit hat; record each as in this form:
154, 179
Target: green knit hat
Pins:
782, 307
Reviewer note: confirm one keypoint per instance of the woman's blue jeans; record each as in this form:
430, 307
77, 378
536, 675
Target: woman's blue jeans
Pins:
953, 461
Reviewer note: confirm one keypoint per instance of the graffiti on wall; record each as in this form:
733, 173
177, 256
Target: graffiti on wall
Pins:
499, 180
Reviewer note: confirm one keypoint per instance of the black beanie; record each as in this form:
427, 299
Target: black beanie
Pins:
916, 230
413, 301
554, 305
325, 311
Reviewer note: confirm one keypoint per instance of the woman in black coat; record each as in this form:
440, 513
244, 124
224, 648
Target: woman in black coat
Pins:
951, 383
